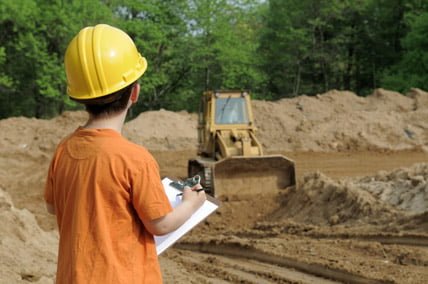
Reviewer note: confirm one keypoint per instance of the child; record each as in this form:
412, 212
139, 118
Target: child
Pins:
106, 192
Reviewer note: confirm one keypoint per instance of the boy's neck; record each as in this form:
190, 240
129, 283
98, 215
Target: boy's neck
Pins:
114, 122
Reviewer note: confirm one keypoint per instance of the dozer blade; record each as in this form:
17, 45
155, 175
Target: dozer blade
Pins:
245, 176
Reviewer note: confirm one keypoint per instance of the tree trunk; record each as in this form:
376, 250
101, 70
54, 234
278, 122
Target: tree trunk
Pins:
349, 65
296, 88
207, 78
39, 107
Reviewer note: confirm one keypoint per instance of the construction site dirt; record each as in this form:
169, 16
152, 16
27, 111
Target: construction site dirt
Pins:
359, 212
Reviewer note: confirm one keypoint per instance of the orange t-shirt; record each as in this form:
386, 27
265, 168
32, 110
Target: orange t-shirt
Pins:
102, 186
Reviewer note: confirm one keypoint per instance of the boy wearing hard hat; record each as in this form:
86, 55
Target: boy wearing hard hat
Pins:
106, 192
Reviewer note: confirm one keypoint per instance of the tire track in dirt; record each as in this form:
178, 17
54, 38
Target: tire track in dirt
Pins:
312, 271
387, 238
420, 241
238, 269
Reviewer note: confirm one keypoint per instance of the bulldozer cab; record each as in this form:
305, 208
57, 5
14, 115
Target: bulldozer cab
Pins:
230, 158
225, 120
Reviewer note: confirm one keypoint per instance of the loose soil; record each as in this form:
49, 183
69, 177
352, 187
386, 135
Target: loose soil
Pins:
358, 215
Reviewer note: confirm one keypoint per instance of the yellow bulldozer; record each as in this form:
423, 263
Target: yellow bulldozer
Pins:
230, 159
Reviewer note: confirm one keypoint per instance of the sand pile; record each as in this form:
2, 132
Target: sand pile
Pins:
26, 147
27, 253
382, 198
321, 201
406, 189
342, 121
32, 135
334, 121
163, 130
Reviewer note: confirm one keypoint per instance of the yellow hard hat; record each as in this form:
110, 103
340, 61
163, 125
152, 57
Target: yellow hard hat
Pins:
101, 60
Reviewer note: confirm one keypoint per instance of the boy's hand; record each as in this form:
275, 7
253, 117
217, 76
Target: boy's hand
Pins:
194, 195
192, 200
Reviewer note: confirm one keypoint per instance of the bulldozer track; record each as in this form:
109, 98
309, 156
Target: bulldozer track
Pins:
292, 270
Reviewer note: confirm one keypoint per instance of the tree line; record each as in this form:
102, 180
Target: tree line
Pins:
275, 49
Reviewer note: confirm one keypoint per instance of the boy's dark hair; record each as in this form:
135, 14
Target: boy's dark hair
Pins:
110, 104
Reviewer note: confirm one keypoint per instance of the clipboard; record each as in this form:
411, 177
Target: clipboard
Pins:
210, 205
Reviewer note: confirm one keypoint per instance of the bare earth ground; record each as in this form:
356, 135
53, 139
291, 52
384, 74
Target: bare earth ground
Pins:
358, 215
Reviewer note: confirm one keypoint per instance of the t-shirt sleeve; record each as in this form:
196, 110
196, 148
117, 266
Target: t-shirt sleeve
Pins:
148, 195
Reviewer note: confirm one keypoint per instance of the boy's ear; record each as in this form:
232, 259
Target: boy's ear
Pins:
135, 92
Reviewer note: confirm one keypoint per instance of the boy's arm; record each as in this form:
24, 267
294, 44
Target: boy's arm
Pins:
192, 200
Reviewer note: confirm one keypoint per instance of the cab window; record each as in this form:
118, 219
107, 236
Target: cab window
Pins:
231, 111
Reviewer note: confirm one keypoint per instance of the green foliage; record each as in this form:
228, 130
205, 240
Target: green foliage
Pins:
5, 80
159, 33
222, 46
284, 46
275, 49
412, 70
312, 46
34, 37
191, 46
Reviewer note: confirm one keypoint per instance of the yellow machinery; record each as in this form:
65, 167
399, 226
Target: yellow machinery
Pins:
230, 158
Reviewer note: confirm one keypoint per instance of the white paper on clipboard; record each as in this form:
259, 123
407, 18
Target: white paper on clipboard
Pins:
164, 242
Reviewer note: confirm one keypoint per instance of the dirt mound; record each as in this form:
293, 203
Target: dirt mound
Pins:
343, 121
406, 189
27, 253
322, 201
26, 147
334, 121
420, 97
398, 195
20, 133
163, 130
